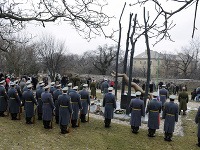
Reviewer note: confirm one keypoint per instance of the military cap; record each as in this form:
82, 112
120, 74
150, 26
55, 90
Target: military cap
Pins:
28, 82
12, 83
138, 93
105, 79
52, 83
40, 82
85, 85
75, 88
163, 85
110, 88
70, 84
29, 86
133, 95
172, 97
65, 89
46, 87
155, 93
183, 88
58, 85
1, 82
16, 81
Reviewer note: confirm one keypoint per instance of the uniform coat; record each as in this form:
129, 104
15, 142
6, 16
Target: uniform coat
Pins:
170, 114
137, 111
39, 92
56, 93
85, 101
154, 109
28, 102
104, 87
65, 109
52, 89
110, 104
3, 99
76, 104
48, 106
197, 121
163, 95
14, 101
93, 89
183, 100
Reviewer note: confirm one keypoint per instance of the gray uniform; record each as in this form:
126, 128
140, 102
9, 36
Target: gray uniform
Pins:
76, 105
56, 93
85, 101
3, 100
163, 95
65, 111
197, 121
137, 111
14, 102
104, 87
110, 104
28, 102
47, 108
170, 114
39, 92
154, 109
52, 89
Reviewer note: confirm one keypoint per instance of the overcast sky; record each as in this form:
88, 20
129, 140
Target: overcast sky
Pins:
181, 33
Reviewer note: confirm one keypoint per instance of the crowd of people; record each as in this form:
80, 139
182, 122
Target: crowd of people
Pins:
70, 105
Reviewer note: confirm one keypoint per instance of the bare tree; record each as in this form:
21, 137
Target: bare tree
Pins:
85, 16
102, 58
51, 53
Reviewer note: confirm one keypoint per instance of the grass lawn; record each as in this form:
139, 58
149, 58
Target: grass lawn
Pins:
17, 135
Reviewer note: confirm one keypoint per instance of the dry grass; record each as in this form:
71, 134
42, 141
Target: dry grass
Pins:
17, 135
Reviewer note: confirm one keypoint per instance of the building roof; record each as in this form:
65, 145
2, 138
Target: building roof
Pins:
154, 55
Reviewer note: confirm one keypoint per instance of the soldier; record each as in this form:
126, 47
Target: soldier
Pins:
76, 105
183, 100
39, 92
93, 89
14, 101
22, 83
38, 86
137, 111
28, 103
105, 86
47, 108
170, 114
18, 89
70, 88
197, 121
25, 87
153, 108
110, 104
65, 111
56, 93
85, 101
163, 95
3, 99
52, 88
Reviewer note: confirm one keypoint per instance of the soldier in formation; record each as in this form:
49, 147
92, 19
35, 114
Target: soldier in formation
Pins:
170, 114
197, 121
85, 102
110, 104
153, 108
39, 92
56, 94
163, 94
183, 100
65, 111
136, 107
3, 99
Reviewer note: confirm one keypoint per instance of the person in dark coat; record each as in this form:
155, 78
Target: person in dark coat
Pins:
105, 86
65, 111
85, 102
163, 94
170, 114
52, 88
110, 104
76, 106
14, 101
153, 108
39, 92
197, 121
3, 99
47, 108
64, 81
93, 88
183, 100
136, 107
56, 94
28, 102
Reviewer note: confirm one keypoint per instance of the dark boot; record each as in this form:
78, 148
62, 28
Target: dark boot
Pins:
106, 121
198, 144
57, 119
2, 114
184, 113
39, 116
166, 136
